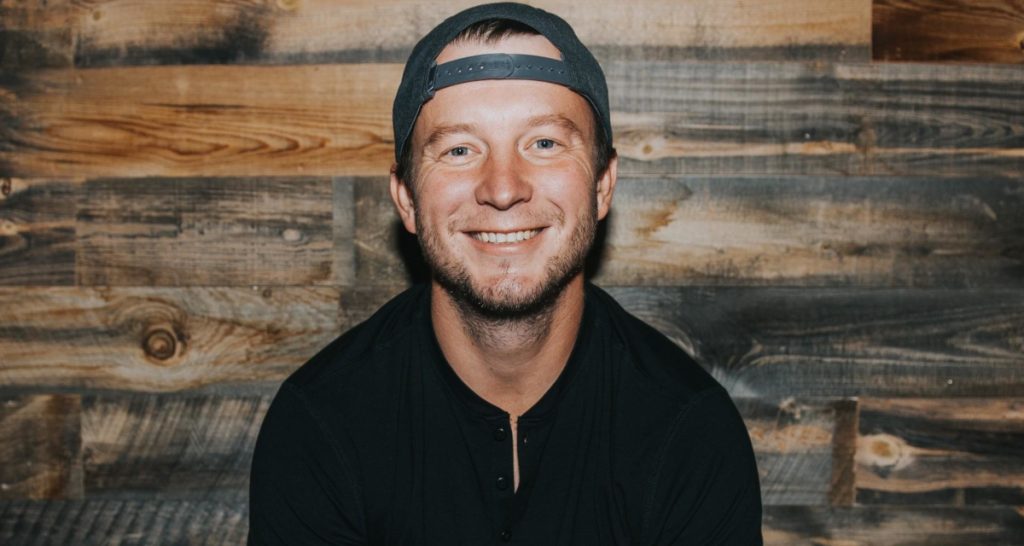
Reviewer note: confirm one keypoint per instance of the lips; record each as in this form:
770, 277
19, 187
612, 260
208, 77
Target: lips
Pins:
505, 237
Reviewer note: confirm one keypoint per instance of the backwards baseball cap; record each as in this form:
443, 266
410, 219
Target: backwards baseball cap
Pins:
578, 69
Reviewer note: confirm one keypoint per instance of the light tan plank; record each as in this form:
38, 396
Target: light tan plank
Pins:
161, 339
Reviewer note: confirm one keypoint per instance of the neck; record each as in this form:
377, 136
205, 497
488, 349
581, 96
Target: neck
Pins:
510, 362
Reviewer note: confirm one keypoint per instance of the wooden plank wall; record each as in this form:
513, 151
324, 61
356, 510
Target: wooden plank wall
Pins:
192, 202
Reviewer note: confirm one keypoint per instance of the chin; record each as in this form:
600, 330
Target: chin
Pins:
505, 298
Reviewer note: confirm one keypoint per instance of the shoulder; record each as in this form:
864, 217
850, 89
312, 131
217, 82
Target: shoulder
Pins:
358, 351
656, 361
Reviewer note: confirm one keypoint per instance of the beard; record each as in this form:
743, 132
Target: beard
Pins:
508, 300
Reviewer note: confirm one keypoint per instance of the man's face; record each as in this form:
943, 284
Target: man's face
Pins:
505, 199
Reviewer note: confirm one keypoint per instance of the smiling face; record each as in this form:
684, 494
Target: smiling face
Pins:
505, 200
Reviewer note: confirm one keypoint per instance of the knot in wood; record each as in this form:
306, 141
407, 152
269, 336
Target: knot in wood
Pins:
5, 186
160, 344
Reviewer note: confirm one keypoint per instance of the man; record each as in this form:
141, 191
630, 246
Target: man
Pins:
508, 401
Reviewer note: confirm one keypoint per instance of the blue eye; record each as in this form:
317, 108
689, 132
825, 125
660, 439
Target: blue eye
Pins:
545, 144
458, 151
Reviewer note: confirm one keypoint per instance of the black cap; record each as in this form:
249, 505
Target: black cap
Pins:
578, 70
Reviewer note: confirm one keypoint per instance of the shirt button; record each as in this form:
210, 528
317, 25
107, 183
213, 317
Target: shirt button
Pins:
500, 433
505, 535
501, 483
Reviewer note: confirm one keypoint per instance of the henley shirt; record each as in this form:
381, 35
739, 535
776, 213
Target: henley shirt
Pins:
376, 440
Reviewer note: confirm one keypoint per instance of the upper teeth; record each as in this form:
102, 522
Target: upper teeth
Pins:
514, 237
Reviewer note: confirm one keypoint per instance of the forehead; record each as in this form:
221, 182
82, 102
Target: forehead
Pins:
503, 102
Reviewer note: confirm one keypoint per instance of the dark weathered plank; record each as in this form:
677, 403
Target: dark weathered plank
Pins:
669, 117
793, 443
800, 231
114, 522
845, 342
766, 118
37, 232
989, 31
160, 339
108, 33
197, 446
946, 451
218, 232
892, 526
39, 451
34, 34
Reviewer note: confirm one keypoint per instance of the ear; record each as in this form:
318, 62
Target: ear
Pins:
606, 187
401, 196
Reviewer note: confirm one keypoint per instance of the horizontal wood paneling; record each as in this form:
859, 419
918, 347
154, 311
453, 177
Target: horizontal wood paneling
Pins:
669, 117
793, 442
124, 521
988, 31
37, 232
224, 522
772, 342
892, 526
120, 32
160, 339
39, 451
947, 451
170, 445
210, 232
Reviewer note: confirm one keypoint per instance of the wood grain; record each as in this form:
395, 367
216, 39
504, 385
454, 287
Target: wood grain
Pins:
37, 232
947, 451
789, 118
777, 231
199, 121
793, 443
170, 446
39, 454
987, 31
120, 32
669, 117
892, 526
161, 339
122, 521
809, 342
218, 232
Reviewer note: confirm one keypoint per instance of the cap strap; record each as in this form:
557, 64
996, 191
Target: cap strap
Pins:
497, 66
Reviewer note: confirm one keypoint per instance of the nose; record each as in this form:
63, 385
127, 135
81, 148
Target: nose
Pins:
504, 183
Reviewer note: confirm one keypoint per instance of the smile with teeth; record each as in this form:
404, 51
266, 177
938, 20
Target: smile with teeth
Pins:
505, 238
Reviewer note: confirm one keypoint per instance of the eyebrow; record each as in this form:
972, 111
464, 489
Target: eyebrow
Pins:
442, 131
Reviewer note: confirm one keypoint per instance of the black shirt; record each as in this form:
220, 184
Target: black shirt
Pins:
376, 440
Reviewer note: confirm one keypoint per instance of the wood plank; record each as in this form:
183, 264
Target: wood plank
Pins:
199, 121
987, 31
120, 32
814, 342
849, 119
161, 339
802, 231
892, 526
116, 521
669, 117
944, 451
195, 446
34, 35
39, 455
37, 232
792, 441
219, 232
843, 488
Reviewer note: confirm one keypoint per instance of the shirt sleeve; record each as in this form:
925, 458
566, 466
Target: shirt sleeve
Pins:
301, 490
707, 489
